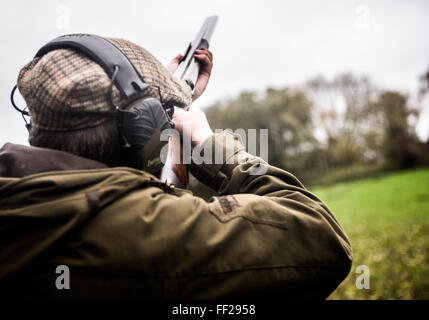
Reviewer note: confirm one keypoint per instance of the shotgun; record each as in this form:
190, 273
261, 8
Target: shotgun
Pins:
175, 172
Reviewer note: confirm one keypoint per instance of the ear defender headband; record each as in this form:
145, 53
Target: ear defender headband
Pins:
139, 121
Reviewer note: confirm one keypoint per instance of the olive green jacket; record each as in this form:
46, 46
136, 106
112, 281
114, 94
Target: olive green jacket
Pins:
124, 234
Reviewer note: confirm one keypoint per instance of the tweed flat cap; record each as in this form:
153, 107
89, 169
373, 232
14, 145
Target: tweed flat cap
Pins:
65, 90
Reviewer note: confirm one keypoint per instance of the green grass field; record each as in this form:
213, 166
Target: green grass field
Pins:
387, 221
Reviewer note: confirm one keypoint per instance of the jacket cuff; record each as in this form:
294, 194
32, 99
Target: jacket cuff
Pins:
215, 158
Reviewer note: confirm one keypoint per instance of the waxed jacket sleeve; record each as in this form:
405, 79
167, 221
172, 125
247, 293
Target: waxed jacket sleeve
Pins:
264, 234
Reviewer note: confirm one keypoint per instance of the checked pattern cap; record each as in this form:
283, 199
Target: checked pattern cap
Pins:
65, 90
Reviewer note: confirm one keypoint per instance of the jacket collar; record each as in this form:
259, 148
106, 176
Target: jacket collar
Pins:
18, 161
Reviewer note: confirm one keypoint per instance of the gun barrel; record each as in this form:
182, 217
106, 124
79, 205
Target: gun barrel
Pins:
188, 68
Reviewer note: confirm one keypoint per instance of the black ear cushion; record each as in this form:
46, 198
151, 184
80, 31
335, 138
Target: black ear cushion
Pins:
139, 122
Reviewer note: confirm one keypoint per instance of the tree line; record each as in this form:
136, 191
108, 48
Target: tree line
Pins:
329, 130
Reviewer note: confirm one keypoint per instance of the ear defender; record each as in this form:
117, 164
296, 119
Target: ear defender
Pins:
141, 125
140, 121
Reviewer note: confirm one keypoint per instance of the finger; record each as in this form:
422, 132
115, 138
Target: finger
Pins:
199, 57
202, 56
205, 51
177, 58
209, 52
205, 60
173, 65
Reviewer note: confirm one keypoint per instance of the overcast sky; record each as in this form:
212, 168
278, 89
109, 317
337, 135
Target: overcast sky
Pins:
256, 43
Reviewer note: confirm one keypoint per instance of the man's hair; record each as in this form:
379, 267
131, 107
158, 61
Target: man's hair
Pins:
101, 143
